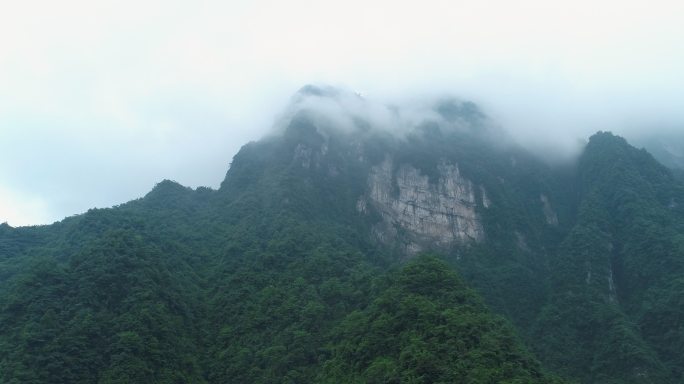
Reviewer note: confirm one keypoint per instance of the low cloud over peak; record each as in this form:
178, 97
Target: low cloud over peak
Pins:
101, 100
342, 109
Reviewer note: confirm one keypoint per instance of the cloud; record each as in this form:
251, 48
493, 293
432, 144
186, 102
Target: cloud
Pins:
22, 210
101, 100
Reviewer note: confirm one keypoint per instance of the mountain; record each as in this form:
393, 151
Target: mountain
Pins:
667, 146
363, 243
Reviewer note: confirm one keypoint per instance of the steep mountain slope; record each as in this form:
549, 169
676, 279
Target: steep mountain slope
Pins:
305, 265
616, 275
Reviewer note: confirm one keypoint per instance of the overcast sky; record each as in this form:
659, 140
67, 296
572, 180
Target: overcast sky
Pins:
100, 100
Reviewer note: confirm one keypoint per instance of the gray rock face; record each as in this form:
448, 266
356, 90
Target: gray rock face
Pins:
429, 214
485, 200
310, 156
549, 213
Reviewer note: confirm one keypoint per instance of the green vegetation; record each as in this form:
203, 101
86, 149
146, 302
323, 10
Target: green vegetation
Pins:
427, 327
277, 278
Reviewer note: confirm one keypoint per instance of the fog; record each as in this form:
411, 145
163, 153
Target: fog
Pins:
101, 100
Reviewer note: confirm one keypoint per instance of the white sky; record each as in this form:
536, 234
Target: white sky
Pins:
99, 100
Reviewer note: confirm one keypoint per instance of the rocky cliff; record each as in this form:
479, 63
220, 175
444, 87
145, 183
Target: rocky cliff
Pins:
422, 213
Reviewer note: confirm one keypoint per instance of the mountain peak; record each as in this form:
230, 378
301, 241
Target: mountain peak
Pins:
166, 188
606, 146
607, 137
452, 110
319, 90
339, 110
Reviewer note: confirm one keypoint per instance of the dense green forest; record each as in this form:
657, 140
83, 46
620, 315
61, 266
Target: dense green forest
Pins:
278, 276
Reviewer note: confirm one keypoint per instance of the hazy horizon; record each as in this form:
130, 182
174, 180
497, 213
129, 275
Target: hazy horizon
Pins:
100, 101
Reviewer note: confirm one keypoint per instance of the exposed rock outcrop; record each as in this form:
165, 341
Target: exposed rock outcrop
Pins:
549, 213
426, 214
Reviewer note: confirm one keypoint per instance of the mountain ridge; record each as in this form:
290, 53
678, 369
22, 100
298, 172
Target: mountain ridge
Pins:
282, 273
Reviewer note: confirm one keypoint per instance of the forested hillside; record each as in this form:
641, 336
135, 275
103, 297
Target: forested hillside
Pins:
444, 254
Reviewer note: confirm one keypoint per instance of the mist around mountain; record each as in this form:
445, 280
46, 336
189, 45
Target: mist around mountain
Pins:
667, 146
363, 243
